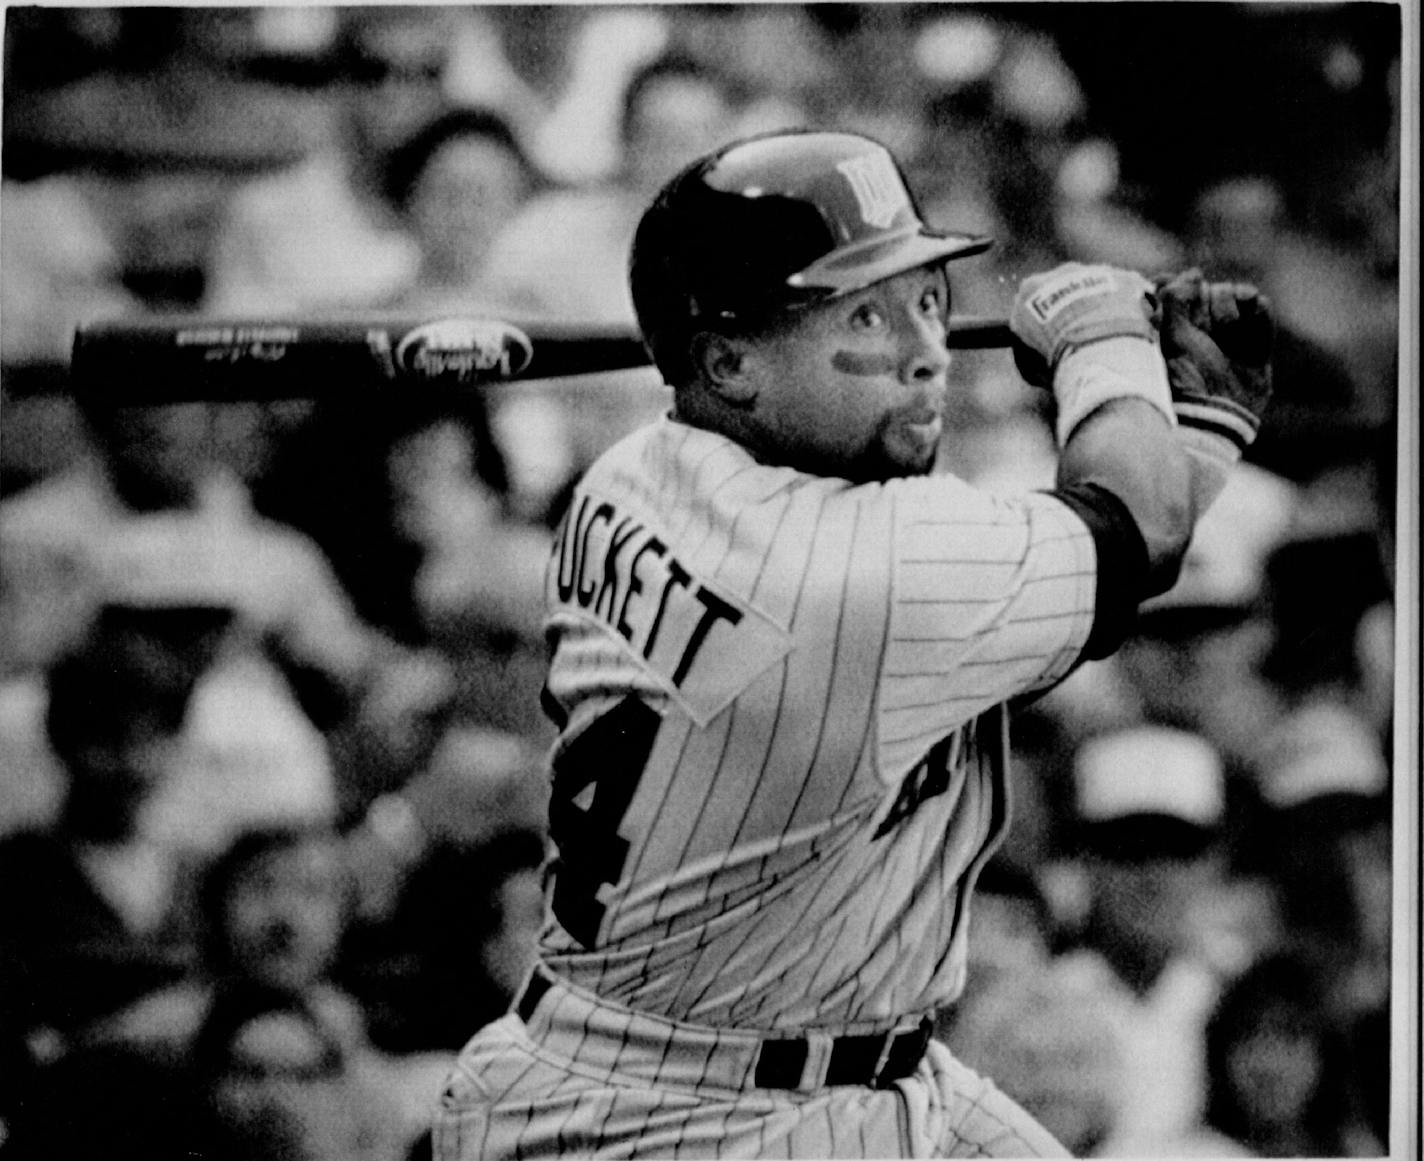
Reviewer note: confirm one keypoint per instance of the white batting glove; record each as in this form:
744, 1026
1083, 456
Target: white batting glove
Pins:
1088, 332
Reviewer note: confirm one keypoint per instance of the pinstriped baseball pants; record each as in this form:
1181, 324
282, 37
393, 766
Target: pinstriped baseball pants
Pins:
587, 1079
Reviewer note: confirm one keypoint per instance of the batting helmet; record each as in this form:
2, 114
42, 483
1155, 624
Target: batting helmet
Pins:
774, 222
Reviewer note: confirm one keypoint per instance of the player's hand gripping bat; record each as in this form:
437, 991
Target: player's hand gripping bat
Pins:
169, 359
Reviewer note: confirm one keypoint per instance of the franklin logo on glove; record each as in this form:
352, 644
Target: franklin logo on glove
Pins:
1045, 306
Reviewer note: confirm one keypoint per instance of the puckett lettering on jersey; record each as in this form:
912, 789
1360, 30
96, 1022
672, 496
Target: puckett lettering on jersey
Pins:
702, 646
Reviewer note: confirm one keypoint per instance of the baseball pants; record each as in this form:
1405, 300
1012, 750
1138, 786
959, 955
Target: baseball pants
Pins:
579, 1077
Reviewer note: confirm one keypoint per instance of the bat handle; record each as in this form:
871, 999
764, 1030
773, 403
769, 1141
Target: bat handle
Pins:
978, 333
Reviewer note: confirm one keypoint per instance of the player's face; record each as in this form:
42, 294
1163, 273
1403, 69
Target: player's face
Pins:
856, 387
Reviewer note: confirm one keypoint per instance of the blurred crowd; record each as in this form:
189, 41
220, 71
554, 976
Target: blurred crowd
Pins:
271, 754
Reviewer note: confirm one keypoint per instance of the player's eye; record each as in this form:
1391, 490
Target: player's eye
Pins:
932, 301
867, 316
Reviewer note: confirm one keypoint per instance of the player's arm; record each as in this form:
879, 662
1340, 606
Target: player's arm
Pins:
1124, 473
1131, 465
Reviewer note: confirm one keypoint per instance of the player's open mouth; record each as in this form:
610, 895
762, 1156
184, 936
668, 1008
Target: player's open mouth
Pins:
925, 429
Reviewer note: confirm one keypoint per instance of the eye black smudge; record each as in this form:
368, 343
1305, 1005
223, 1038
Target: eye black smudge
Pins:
868, 366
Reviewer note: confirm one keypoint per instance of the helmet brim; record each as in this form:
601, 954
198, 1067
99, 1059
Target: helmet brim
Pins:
855, 267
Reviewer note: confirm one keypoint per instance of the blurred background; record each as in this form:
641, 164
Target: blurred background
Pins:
271, 782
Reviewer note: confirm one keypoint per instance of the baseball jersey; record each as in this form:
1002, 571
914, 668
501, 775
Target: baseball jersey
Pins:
783, 739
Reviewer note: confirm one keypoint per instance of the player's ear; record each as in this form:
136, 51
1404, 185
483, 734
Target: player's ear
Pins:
725, 367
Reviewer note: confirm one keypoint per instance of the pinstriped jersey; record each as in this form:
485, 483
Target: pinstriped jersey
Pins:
782, 746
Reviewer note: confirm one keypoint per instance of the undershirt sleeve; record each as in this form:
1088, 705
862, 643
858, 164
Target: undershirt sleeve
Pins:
1122, 574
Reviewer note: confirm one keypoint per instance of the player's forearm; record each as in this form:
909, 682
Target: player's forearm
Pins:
1086, 332
1128, 448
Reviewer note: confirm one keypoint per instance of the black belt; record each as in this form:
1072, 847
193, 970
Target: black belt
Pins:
876, 1061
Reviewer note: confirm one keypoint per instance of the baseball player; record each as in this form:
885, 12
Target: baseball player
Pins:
782, 653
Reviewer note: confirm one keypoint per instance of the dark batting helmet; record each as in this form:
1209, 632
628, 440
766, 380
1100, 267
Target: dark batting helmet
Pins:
772, 223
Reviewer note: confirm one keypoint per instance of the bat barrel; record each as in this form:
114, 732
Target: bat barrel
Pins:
177, 358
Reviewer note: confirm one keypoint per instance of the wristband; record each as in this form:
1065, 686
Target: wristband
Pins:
1121, 367
1220, 417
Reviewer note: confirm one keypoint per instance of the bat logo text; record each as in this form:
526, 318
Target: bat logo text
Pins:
464, 351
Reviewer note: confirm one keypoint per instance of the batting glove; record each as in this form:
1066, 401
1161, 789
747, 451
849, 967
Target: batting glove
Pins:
1217, 339
1089, 333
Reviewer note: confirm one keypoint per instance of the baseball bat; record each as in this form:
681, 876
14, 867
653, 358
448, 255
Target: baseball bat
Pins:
173, 358
978, 333
177, 358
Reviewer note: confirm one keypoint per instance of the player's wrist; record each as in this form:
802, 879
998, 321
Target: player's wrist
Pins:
1117, 367
1212, 457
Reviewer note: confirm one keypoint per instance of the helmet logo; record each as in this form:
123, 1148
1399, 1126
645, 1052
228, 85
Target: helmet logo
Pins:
878, 190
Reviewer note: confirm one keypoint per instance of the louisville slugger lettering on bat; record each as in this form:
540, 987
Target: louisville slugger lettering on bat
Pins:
175, 358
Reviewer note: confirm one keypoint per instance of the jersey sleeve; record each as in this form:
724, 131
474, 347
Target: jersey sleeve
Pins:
991, 598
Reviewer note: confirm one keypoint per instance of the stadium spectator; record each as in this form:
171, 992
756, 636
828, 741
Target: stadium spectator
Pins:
1325, 833
59, 266
411, 504
466, 838
674, 109
1194, 661
779, 54
153, 520
458, 183
566, 254
1040, 1035
385, 493
90, 913
1150, 807
577, 141
1332, 641
1280, 1081
478, 567
1326, 846
277, 1058
126, 168
433, 983
321, 234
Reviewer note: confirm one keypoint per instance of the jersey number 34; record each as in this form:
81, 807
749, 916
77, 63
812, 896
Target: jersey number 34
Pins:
609, 756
